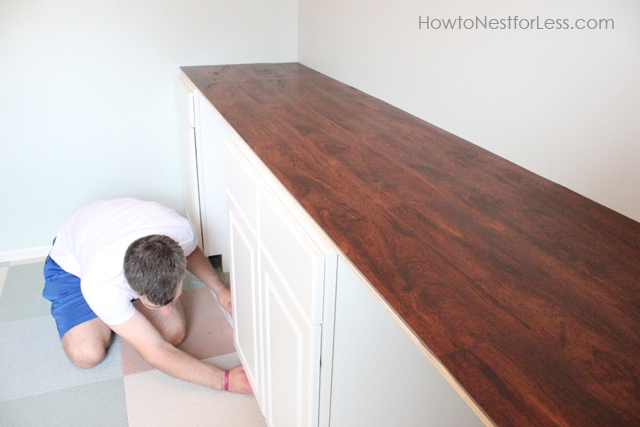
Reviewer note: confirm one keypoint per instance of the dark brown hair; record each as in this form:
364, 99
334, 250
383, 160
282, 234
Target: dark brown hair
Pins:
154, 266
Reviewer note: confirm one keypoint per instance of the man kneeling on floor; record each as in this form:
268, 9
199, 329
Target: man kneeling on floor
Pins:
118, 265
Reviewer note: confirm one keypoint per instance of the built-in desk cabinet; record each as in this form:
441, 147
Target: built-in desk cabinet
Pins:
319, 346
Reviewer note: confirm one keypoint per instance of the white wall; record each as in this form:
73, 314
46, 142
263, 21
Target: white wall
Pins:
562, 103
87, 107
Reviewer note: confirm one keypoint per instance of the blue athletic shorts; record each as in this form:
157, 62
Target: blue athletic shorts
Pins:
68, 306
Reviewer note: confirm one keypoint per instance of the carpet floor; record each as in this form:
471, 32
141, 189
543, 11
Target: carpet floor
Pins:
40, 387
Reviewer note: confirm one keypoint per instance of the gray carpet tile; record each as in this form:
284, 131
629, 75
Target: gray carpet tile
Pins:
21, 296
32, 360
97, 404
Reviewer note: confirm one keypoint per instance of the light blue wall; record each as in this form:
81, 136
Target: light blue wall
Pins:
87, 106
562, 103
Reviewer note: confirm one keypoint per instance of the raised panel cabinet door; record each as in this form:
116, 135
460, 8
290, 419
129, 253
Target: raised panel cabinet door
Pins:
184, 98
211, 133
296, 255
242, 184
292, 354
246, 299
241, 192
190, 176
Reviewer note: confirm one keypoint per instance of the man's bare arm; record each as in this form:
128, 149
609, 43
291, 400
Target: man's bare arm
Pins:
148, 342
199, 265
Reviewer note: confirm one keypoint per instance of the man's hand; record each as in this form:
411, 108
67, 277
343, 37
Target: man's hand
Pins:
199, 265
148, 342
224, 299
238, 381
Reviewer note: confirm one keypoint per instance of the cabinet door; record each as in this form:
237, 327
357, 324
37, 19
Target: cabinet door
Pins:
211, 133
246, 297
185, 100
190, 176
297, 256
242, 201
292, 355
292, 271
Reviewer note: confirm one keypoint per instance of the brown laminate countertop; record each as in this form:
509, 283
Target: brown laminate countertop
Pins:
528, 293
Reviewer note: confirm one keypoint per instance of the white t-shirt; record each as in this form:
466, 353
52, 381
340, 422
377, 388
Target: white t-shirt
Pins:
92, 242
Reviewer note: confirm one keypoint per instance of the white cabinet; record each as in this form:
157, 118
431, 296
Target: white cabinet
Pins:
319, 346
202, 135
279, 272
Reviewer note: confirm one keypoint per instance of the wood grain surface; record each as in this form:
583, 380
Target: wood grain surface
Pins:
527, 292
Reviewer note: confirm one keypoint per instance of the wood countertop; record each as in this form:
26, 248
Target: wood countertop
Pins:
528, 293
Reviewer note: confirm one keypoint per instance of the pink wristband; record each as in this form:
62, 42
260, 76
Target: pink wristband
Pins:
226, 380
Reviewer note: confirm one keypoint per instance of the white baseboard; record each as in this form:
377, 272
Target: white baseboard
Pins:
24, 254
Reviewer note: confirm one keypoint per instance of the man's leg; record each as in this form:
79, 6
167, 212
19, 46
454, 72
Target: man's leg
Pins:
170, 321
86, 344
85, 338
